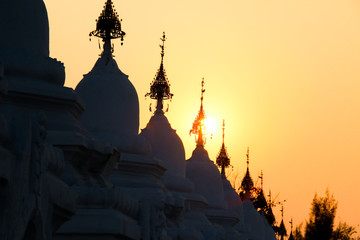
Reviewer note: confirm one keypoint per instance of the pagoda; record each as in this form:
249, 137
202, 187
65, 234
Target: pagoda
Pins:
199, 168
103, 210
112, 105
167, 147
165, 144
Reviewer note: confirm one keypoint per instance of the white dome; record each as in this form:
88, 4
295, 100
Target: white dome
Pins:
269, 231
111, 104
29, 19
232, 199
206, 177
165, 144
255, 220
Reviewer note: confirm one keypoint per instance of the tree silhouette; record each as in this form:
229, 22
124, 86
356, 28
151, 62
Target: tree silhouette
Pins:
322, 215
343, 231
321, 223
298, 234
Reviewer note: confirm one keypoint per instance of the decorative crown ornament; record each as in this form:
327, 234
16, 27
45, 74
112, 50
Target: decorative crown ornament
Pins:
108, 25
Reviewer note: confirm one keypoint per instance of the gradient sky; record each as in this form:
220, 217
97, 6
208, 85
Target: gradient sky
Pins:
284, 74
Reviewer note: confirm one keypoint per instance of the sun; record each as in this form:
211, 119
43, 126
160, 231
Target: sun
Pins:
210, 125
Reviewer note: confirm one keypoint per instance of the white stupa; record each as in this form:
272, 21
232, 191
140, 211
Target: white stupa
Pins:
165, 144
258, 226
231, 198
111, 101
200, 169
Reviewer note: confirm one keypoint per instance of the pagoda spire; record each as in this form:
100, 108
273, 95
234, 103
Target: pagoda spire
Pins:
198, 127
282, 229
247, 183
160, 86
222, 159
108, 26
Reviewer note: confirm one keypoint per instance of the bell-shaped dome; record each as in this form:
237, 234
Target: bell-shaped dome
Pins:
111, 103
254, 220
165, 144
231, 198
206, 177
24, 26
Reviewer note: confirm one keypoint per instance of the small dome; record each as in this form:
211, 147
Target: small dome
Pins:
206, 177
232, 199
29, 19
111, 104
255, 220
165, 144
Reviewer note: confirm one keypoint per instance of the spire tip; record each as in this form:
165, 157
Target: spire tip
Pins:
160, 87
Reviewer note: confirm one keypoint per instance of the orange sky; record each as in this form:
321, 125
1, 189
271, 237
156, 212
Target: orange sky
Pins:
283, 73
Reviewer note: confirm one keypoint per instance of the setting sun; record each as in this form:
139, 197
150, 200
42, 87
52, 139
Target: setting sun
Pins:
210, 125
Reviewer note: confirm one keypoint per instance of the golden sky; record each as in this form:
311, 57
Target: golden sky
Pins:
284, 74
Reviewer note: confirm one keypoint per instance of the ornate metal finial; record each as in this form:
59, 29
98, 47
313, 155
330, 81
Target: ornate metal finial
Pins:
262, 179
163, 39
222, 159
291, 224
108, 26
223, 128
247, 157
160, 86
202, 92
198, 127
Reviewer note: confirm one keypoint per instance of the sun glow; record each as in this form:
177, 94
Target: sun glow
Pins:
210, 125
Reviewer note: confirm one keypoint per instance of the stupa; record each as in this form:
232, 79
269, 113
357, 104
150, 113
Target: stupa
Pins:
111, 101
103, 211
231, 198
34, 199
199, 168
112, 116
207, 179
167, 146
258, 226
